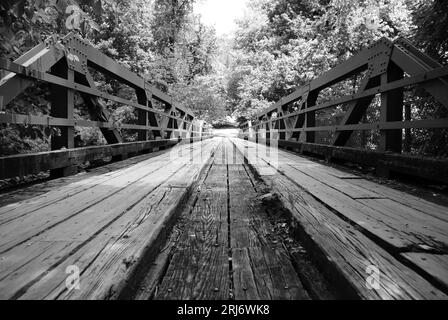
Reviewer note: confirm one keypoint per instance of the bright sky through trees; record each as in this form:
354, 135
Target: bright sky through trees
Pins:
221, 13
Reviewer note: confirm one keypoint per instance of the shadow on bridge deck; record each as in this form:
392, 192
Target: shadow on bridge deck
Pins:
368, 240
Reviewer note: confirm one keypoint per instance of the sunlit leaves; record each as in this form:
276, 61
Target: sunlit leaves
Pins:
286, 43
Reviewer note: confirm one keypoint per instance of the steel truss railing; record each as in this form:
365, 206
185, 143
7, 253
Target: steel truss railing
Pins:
386, 68
66, 64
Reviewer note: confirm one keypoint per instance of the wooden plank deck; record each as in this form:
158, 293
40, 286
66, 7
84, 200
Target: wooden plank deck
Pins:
356, 223
226, 250
103, 224
199, 265
113, 220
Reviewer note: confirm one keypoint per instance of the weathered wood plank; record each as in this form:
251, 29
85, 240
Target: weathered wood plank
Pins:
94, 242
82, 182
379, 190
433, 264
265, 273
339, 174
197, 273
324, 168
432, 231
210, 206
349, 250
426, 207
24, 164
199, 267
220, 154
398, 233
137, 231
21, 209
107, 274
217, 178
243, 198
239, 182
109, 258
79, 229
65, 208
352, 251
336, 183
384, 191
262, 268
76, 208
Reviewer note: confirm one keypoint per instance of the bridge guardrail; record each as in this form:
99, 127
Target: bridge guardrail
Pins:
65, 64
386, 69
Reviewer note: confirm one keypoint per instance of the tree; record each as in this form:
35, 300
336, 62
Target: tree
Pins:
431, 20
23, 25
169, 19
159, 39
204, 96
287, 43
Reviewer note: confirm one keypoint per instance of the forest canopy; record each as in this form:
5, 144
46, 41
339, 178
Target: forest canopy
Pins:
278, 46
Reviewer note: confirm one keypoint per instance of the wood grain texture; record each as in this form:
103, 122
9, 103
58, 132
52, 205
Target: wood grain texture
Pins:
17, 197
34, 216
197, 273
425, 207
341, 185
391, 228
343, 245
199, 267
262, 267
265, 273
435, 265
111, 221
400, 233
227, 249
105, 240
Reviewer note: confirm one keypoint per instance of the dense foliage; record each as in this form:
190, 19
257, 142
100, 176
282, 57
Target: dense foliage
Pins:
282, 44
278, 46
160, 39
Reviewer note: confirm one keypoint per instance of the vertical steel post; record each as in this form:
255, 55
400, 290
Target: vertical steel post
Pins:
310, 118
391, 110
407, 132
62, 106
142, 115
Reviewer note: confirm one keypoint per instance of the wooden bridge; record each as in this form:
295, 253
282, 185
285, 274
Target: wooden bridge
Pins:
185, 212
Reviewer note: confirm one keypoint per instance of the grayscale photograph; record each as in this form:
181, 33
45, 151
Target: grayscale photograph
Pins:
224, 158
